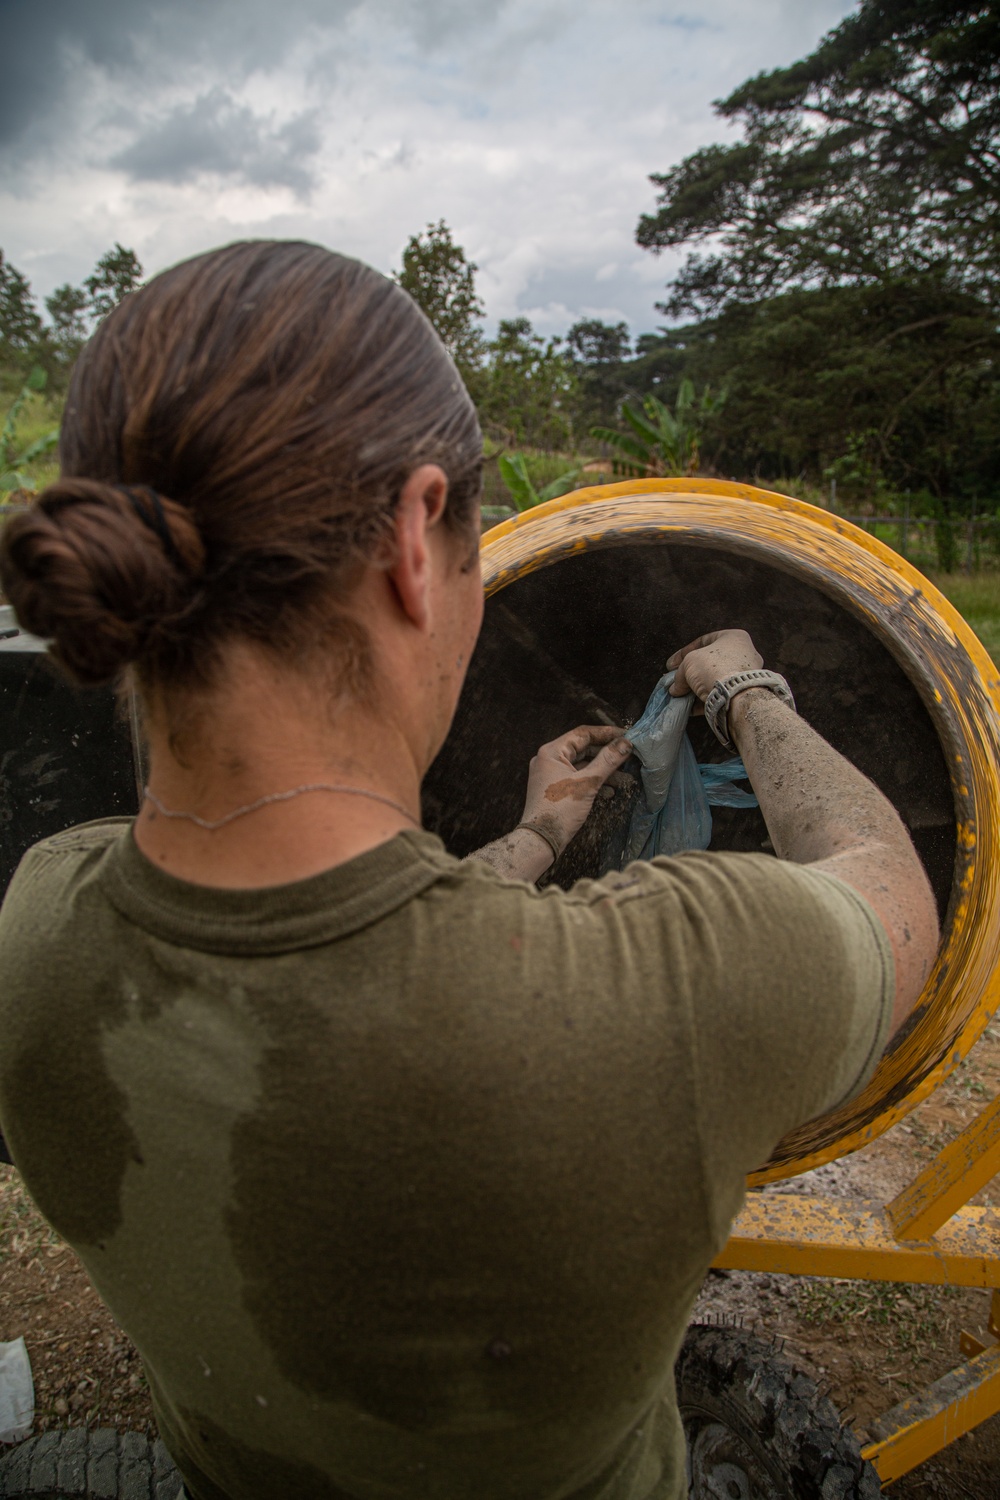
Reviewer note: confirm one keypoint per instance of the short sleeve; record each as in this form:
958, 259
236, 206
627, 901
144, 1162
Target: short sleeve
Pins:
791, 1002
875, 975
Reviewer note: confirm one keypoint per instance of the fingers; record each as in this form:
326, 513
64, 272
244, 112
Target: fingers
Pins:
679, 687
571, 746
608, 761
568, 773
709, 659
703, 640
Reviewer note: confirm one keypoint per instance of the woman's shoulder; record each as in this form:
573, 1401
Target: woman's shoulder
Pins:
67, 848
83, 837
56, 861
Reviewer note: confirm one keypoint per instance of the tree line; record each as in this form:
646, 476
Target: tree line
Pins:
28, 342
843, 272
836, 318
842, 283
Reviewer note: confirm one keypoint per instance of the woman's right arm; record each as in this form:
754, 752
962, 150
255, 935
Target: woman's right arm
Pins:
820, 810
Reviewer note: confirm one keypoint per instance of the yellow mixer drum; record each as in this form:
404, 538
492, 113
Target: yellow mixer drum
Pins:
588, 595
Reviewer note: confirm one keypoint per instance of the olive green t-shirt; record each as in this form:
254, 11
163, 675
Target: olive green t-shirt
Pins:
404, 1178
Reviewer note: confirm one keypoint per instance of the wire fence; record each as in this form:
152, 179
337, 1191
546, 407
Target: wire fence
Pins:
966, 543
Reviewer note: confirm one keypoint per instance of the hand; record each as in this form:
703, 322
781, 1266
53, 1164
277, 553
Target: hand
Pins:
567, 774
711, 658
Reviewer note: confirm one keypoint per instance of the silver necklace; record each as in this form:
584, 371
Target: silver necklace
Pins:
311, 786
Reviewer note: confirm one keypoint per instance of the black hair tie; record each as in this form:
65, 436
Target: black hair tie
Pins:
149, 508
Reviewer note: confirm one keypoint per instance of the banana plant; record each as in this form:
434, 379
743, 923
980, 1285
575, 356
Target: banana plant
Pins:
12, 463
662, 443
514, 473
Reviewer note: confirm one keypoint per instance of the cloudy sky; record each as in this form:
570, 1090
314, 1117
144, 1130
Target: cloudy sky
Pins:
531, 126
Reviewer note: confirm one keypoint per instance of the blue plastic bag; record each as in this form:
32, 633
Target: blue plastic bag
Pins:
674, 812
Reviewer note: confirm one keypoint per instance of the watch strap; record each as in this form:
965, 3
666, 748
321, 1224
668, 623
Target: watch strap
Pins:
722, 694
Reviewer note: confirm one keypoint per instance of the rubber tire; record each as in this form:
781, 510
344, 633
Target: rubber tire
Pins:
758, 1429
101, 1464
782, 1426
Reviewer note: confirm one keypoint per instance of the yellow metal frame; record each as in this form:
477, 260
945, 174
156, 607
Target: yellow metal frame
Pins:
929, 1233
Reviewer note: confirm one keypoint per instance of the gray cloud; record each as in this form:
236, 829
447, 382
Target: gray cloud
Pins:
561, 293
53, 49
58, 50
215, 134
529, 125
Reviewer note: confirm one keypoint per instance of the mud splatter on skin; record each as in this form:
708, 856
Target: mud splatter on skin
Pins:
580, 790
520, 854
834, 811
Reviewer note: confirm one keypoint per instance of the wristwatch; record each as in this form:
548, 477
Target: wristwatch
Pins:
718, 701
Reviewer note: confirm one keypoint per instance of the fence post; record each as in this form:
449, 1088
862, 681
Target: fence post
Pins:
970, 536
904, 528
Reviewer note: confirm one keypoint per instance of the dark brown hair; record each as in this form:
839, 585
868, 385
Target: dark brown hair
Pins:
236, 436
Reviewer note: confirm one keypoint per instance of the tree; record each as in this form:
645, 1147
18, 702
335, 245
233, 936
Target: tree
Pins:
596, 344
876, 157
661, 441
117, 273
20, 323
67, 307
26, 342
15, 461
442, 282
892, 385
600, 353
529, 386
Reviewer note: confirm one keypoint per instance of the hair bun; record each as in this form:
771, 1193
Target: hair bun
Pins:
99, 570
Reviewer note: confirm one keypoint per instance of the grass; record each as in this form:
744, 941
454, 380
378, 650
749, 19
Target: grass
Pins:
542, 468
40, 415
796, 489
976, 596
917, 1313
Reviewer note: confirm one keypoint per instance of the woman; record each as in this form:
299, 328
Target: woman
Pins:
401, 1174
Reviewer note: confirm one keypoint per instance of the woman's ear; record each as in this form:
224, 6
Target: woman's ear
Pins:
421, 506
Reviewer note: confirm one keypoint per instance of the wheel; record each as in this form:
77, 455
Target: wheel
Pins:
758, 1429
102, 1464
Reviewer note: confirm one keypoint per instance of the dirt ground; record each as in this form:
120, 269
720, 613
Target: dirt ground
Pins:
86, 1372
871, 1345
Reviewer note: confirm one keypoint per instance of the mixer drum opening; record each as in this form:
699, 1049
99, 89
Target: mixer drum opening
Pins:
588, 597
590, 635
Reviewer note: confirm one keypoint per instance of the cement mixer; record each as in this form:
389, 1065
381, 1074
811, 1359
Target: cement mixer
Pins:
586, 596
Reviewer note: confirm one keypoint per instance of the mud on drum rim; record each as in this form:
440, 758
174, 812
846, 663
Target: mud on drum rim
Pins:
949, 668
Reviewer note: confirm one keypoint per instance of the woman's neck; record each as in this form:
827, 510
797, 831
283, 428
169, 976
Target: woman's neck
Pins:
259, 759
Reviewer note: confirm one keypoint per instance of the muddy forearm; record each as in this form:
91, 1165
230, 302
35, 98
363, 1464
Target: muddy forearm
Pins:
820, 810
814, 802
519, 855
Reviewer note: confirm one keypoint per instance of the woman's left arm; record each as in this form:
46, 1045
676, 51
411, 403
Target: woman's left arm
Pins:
563, 780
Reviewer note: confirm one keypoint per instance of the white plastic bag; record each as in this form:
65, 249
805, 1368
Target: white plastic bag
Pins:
674, 813
17, 1392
